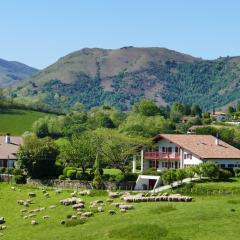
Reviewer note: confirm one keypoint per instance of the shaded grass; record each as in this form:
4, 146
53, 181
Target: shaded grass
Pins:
163, 209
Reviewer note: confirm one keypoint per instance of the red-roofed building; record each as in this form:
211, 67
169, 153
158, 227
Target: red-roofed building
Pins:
183, 150
9, 146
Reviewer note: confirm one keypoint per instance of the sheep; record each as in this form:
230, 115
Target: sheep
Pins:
13, 188
85, 192
100, 209
87, 214
46, 194
78, 206
34, 222
3, 227
74, 194
62, 222
73, 217
23, 210
52, 206
58, 191
2, 220
25, 217
32, 215
125, 206
122, 210
32, 194
116, 204
113, 194
26, 204
111, 212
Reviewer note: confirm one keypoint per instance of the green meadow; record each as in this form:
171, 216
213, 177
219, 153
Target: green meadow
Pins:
17, 121
207, 217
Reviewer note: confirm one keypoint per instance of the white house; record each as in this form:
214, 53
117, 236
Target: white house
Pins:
184, 150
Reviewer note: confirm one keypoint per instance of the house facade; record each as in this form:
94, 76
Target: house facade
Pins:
185, 150
9, 146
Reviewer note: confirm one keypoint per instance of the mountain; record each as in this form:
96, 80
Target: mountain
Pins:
121, 77
11, 72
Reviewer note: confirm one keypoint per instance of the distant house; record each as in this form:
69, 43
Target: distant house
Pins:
184, 150
192, 129
219, 116
9, 146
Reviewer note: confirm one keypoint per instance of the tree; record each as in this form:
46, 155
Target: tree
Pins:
210, 170
238, 106
231, 110
117, 149
169, 176
197, 169
40, 127
190, 172
181, 173
79, 152
146, 107
196, 110
186, 109
78, 107
176, 112
38, 156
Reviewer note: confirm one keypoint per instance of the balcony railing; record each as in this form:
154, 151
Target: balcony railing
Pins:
161, 156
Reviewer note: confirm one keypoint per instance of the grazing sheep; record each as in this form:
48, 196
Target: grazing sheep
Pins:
71, 201
26, 204
23, 210
25, 217
100, 209
125, 206
32, 194
116, 204
32, 215
34, 222
85, 192
13, 188
122, 210
46, 194
58, 191
74, 194
113, 194
111, 212
87, 214
20, 202
2, 220
78, 206
109, 200
3, 227
42, 208
73, 217
62, 222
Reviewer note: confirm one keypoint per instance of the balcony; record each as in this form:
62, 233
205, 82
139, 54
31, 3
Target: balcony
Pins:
161, 156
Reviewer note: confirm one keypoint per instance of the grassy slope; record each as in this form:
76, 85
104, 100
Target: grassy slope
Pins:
206, 218
16, 121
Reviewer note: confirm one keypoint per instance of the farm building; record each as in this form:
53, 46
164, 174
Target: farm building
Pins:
8, 150
184, 150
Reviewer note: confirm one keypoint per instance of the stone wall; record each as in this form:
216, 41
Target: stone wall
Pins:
74, 184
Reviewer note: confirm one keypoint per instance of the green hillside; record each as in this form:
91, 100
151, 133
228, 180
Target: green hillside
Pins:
121, 77
17, 121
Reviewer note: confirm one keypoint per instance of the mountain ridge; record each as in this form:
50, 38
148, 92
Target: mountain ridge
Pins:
120, 77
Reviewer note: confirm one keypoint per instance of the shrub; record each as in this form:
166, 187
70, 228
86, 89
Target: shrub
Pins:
3, 170
236, 170
71, 174
97, 181
224, 174
210, 170
62, 177
19, 179
120, 178
130, 177
84, 176
17, 171
65, 170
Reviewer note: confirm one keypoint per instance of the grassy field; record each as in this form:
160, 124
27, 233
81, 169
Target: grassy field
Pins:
17, 121
207, 217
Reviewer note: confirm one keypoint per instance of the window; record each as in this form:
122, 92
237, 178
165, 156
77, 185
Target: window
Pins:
176, 149
187, 156
169, 149
230, 165
163, 149
222, 165
152, 164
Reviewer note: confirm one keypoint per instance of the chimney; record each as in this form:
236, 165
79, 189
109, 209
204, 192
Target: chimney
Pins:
7, 139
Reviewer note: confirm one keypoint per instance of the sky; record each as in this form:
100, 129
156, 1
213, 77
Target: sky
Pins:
39, 32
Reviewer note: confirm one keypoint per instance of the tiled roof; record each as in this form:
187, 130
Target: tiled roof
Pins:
203, 146
9, 150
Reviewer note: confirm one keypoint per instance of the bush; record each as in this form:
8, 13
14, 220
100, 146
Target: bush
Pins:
62, 177
130, 177
97, 181
84, 176
17, 171
71, 174
236, 170
119, 178
19, 179
224, 174
65, 170
3, 170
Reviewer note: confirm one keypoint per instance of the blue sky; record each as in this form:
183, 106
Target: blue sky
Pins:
39, 32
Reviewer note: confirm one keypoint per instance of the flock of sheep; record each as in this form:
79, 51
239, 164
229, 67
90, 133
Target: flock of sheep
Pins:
96, 206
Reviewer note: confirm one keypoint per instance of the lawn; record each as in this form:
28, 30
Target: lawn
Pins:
17, 121
207, 217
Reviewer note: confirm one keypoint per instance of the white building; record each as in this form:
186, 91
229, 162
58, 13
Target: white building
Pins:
184, 150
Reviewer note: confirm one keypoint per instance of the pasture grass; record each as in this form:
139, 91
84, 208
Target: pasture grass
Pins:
206, 218
17, 121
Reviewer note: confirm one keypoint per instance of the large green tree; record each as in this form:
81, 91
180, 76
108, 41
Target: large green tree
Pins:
38, 156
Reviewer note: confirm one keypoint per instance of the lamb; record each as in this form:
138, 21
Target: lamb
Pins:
2, 220
32, 194
87, 214
125, 206
34, 222
3, 227
78, 205
111, 212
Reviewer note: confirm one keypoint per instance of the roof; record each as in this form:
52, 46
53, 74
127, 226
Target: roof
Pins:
9, 150
218, 113
204, 146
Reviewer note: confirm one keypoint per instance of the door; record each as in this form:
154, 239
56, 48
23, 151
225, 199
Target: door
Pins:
151, 183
